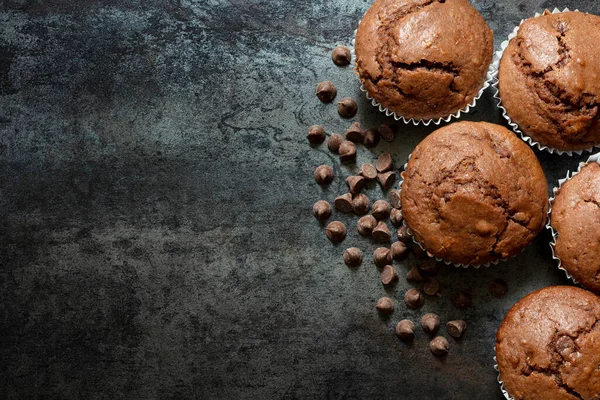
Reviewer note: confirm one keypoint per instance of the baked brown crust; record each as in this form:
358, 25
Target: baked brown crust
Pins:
423, 59
473, 193
547, 346
549, 80
575, 217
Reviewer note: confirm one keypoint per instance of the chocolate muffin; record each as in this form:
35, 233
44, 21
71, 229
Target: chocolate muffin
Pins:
423, 59
474, 193
549, 80
575, 217
547, 346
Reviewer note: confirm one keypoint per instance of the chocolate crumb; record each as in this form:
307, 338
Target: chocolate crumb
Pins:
334, 142
323, 174
347, 107
326, 91
336, 231
368, 171
498, 287
341, 56
430, 323
353, 256
456, 328
316, 134
385, 306
360, 204
382, 256
343, 203
462, 299
371, 138
414, 299
366, 225
388, 275
439, 346
405, 329
322, 210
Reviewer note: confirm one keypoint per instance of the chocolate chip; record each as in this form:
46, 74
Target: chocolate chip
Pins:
334, 142
387, 133
336, 231
371, 138
385, 306
360, 204
386, 180
384, 163
414, 299
431, 287
429, 266
343, 203
347, 107
355, 133
456, 328
462, 299
355, 183
323, 174
405, 329
403, 235
316, 134
394, 197
388, 275
414, 275
353, 256
326, 91
498, 287
419, 252
565, 346
381, 209
430, 323
322, 210
368, 171
341, 56
399, 251
366, 225
381, 233
396, 217
382, 256
439, 346
347, 151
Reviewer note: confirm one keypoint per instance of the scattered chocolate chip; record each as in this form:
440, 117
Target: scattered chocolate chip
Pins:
403, 235
382, 256
316, 134
387, 133
418, 251
336, 231
343, 203
384, 163
395, 198
371, 138
405, 329
388, 275
353, 256
498, 287
414, 275
456, 328
334, 142
361, 204
347, 107
430, 323
322, 210
347, 151
355, 133
431, 287
462, 299
386, 180
355, 183
429, 266
439, 346
381, 233
414, 299
326, 91
399, 251
385, 306
323, 174
366, 225
341, 56
396, 217
381, 209
368, 171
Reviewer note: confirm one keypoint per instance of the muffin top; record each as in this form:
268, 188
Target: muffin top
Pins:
423, 59
473, 193
547, 346
549, 80
575, 217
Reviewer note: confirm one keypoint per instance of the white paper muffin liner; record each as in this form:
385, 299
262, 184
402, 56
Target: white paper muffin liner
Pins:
495, 66
593, 158
489, 79
504, 392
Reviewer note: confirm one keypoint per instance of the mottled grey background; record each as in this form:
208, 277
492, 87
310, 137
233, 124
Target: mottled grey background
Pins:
156, 189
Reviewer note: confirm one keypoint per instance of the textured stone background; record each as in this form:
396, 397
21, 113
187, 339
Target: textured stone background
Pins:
156, 236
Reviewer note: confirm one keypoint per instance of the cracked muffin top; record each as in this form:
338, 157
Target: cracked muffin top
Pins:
575, 217
423, 59
474, 193
549, 80
547, 346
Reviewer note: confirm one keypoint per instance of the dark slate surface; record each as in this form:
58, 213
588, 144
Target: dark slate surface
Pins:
155, 194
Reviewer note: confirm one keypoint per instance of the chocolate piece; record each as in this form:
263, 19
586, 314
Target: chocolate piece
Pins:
418, 251
399, 251
341, 56
431, 287
498, 287
462, 299
430, 323
414, 299
456, 328
439, 346
403, 235
347, 107
394, 197
326, 91
343, 203
334, 142
323, 174
429, 266
366, 225
355, 183
360, 204
405, 329
347, 151
353, 256
381, 233
382, 256
322, 210
414, 275
381, 209
355, 133
385, 306
336, 231
368, 171
386, 179
387, 133
396, 217
371, 138
316, 134
384, 163
388, 275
